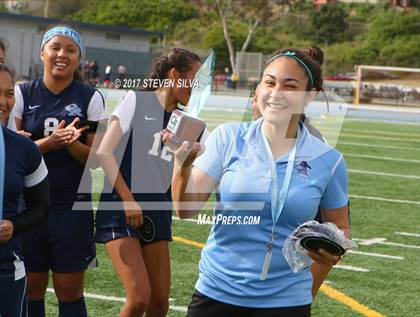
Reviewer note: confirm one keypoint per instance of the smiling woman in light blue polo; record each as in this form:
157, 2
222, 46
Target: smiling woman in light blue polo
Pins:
272, 168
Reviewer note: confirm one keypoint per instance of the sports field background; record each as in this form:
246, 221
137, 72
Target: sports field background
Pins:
384, 183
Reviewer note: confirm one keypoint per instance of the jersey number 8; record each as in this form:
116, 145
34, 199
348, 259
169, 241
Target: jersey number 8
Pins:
50, 124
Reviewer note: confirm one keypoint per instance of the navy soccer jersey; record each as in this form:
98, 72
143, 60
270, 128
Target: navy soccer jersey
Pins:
41, 111
145, 164
24, 168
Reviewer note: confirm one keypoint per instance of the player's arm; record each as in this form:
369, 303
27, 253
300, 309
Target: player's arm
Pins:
334, 208
36, 195
80, 151
105, 155
59, 138
325, 261
191, 187
37, 201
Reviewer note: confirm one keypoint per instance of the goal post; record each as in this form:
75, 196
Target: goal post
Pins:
386, 84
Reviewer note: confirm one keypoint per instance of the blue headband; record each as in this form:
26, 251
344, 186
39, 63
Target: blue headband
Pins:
63, 31
293, 55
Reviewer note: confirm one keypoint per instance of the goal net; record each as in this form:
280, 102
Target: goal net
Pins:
387, 85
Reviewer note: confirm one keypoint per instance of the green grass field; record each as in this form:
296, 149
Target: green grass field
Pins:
391, 285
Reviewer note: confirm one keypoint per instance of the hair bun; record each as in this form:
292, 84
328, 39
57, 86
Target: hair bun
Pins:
316, 53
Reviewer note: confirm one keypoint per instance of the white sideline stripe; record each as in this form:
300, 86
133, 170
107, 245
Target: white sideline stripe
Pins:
409, 246
369, 241
384, 242
351, 268
408, 234
399, 201
387, 121
384, 158
375, 137
120, 299
393, 147
374, 132
383, 174
378, 255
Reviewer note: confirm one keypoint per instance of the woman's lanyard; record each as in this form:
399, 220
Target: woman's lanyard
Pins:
276, 212
2, 166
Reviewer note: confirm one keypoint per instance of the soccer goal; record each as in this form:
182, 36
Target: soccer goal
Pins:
387, 85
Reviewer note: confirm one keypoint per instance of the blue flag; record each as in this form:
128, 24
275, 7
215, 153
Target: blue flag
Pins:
202, 90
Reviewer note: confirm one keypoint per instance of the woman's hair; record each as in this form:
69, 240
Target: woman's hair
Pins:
179, 58
78, 74
6, 69
309, 58
2, 46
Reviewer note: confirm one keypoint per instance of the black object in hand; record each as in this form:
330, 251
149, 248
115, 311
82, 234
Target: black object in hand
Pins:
314, 243
93, 126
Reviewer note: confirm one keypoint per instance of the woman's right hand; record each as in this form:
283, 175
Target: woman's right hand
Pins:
184, 154
60, 136
133, 213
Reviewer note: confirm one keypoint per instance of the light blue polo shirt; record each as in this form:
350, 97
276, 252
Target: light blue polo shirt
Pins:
238, 157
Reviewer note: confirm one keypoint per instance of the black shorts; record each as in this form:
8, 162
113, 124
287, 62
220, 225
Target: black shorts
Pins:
64, 243
157, 227
203, 306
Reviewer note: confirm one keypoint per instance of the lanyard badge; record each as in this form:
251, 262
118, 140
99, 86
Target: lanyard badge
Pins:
278, 207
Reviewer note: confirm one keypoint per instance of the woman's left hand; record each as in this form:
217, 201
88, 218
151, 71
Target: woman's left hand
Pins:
6, 231
76, 132
324, 258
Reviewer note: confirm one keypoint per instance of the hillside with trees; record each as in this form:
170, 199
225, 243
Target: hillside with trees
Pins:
349, 33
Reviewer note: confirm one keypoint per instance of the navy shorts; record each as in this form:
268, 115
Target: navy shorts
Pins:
203, 306
65, 243
156, 227
13, 298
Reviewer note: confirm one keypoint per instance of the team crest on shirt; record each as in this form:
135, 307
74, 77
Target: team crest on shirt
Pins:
302, 169
74, 110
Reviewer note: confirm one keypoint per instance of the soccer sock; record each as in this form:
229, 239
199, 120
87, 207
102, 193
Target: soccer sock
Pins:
36, 308
72, 309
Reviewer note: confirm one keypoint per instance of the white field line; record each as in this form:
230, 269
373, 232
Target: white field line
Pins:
384, 242
379, 133
369, 241
392, 147
378, 255
408, 234
351, 268
120, 299
398, 201
383, 158
375, 137
375, 132
393, 244
383, 174
387, 121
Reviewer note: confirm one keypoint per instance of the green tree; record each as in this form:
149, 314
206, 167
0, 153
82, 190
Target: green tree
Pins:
162, 15
392, 40
214, 39
329, 24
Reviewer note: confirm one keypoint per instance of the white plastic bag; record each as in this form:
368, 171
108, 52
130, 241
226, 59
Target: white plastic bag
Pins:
297, 256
